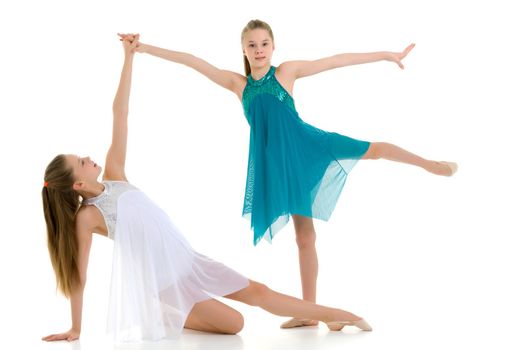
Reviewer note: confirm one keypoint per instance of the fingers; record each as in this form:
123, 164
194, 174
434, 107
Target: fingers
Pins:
403, 54
54, 337
128, 37
408, 49
62, 336
135, 41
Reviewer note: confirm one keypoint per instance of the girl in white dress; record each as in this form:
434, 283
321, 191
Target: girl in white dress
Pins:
160, 285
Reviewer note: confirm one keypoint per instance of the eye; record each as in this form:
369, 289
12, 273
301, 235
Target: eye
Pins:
265, 44
251, 45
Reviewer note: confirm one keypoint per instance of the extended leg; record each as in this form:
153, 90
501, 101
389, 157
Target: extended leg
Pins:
257, 294
392, 152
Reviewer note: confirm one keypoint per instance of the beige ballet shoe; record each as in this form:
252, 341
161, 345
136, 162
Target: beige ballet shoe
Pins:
298, 322
338, 325
452, 166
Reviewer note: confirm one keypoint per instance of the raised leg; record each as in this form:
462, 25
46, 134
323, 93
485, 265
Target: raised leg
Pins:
383, 150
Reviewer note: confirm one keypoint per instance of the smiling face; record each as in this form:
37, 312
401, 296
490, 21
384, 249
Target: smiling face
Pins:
85, 171
257, 46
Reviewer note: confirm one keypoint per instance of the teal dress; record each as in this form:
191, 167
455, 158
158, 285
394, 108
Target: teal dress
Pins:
293, 167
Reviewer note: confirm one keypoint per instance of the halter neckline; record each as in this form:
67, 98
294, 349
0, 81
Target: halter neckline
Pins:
264, 79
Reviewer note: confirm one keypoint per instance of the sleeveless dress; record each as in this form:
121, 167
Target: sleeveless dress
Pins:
157, 277
293, 167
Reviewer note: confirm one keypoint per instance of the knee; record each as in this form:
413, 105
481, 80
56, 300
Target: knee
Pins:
259, 293
236, 325
305, 239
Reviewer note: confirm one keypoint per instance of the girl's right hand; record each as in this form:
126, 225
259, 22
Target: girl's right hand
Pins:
69, 336
129, 42
138, 46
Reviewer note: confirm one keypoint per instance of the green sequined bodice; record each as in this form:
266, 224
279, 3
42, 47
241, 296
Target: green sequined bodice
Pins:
266, 85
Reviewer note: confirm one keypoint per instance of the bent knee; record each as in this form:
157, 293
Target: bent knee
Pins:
235, 325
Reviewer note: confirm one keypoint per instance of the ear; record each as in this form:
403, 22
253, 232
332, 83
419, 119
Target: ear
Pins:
78, 185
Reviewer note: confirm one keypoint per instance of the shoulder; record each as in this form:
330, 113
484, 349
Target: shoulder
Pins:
288, 68
288, 71
86, 220
238, 84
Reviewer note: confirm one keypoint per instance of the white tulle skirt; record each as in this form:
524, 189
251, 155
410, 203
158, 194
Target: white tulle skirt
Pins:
157, 277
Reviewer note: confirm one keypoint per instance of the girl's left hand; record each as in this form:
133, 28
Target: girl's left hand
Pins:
69, 336
129, 42
396, 57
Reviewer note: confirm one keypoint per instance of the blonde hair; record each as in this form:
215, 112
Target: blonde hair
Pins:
253, 24
61, 203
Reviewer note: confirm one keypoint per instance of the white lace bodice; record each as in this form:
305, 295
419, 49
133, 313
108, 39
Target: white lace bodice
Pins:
107, 201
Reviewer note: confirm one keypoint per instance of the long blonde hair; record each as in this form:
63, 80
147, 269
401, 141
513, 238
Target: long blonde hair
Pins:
61, 203
253, 24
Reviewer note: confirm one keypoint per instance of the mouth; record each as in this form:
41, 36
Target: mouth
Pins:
260, 58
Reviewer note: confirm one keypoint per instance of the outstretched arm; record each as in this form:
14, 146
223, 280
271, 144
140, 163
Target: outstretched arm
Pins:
298, 69
116, 156
84, 237
229, 80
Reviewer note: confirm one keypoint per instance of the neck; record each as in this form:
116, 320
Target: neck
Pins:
92, 191
259, 72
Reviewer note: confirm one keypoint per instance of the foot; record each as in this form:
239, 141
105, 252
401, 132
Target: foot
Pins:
299, 322
338, 325
443, 168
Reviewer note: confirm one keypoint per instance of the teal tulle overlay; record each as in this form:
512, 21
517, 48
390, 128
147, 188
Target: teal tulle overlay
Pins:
293, 167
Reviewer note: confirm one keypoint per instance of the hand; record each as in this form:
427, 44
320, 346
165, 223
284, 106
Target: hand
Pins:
396, 57
129, 42
69, 336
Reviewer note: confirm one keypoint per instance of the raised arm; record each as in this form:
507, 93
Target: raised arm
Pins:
227, 79
116, 156
84, 237
298, 69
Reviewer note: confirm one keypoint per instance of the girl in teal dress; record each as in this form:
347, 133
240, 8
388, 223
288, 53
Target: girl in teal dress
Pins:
294, 169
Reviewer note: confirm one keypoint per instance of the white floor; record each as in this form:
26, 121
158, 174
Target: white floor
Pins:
262, 332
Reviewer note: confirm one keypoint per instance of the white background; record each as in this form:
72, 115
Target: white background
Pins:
431, 262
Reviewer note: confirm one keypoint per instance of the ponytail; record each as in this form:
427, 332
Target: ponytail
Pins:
61, 203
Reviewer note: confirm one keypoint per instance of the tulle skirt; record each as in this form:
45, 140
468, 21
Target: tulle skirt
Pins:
157, 277
293, 167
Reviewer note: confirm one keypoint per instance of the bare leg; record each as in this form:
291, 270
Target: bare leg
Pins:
257, 294
214, 317
308, 265
392, 152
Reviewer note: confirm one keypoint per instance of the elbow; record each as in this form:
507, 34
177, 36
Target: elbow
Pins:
82, 282
120, 111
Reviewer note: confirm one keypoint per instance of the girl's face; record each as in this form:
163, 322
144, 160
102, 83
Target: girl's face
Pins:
84, 170
258, 48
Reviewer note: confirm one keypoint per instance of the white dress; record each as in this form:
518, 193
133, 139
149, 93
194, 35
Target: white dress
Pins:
157, 277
